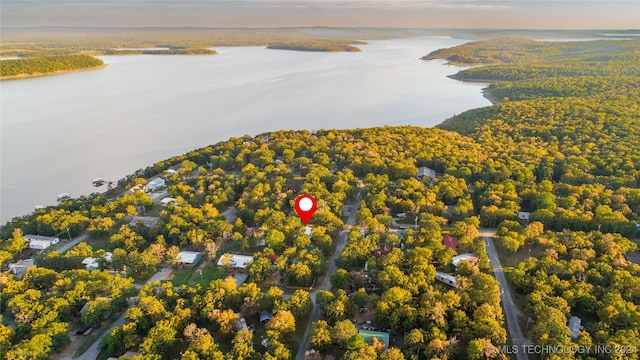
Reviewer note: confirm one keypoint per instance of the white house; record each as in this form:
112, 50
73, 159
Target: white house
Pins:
575, 325
40, 242
189, 257
524, 215
155, 184
471, 258
425, 171
446, 278
167, 200
20, 268
235, 260
93, 263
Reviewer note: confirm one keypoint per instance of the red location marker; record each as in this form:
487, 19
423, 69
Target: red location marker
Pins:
305, 207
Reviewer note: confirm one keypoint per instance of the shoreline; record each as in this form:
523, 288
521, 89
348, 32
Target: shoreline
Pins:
59, 72
487, 95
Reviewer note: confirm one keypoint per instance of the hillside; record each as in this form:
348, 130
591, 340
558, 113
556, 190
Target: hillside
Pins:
47, 65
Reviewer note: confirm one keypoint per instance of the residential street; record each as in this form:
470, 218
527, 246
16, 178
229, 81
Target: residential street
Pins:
509, 307
326, 285
66, 246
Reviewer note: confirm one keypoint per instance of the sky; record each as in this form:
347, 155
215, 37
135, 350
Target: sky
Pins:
512, 14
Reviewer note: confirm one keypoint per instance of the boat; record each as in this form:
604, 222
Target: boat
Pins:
38, 207
97, 182
64, 196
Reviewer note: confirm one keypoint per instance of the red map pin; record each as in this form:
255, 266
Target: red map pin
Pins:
305, 207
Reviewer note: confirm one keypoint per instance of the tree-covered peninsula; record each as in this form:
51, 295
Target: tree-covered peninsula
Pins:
47, 65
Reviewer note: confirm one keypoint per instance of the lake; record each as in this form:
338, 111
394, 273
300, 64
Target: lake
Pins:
59, 132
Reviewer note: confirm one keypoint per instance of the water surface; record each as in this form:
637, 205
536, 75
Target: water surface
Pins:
59, 132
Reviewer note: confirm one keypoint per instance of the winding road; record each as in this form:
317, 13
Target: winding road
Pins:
509, 307
316, 313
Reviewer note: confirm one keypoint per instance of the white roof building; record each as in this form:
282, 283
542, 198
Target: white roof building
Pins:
20, 268
30, 237
425, 171
155, 184
575, 325
236, 260
167, 200
471, 258
524, 215
93, 263
446, 278
189, 257
40, 242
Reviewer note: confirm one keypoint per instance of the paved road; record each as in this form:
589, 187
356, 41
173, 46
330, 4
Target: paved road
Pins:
316, 313
93, 351
66, 246
509, 307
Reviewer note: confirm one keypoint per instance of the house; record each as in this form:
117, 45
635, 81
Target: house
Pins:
147, 221
446, 278
471, 258
368, 336
189, 258
235, 261
307, 230
140, 187
575, 325
167, 200
155, 184
265, 316
524, 217
425, 171
94, 263
450, 242
241, 323
38, 242
20, 268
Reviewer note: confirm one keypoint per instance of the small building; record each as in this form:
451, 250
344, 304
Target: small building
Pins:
450, 242
235, 261
140, 187
471, 258
147, 221
265, 316
38, 242
94, 263
307, 230
155, 184
524, 217
575, 325
20, 268
167, 200
241, 323
368, 336
426, 172
189, 258
446, 279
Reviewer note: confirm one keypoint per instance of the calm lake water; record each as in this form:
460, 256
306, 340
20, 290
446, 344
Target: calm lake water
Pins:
59, 132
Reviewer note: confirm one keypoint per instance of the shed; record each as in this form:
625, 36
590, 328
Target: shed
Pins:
30, 237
